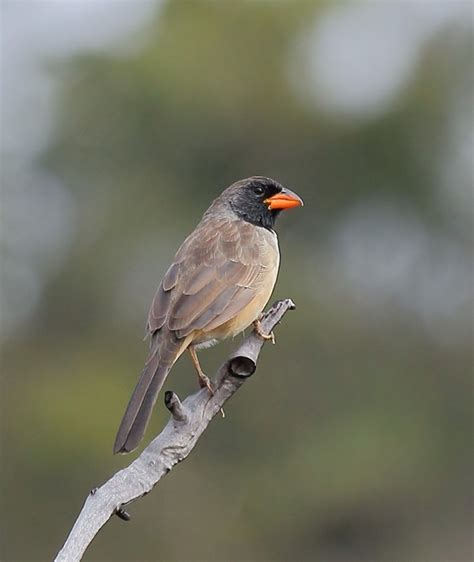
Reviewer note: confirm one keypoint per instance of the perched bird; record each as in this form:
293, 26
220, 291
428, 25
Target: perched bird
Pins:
220, 280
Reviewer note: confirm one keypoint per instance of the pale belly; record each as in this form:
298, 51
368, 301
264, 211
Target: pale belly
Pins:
248, 315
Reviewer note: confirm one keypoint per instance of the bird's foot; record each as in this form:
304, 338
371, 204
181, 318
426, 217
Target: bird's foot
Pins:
259, 331
204, 382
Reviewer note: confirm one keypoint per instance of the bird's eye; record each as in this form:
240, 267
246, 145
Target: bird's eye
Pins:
258, 190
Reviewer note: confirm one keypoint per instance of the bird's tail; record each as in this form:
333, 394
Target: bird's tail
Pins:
140, 406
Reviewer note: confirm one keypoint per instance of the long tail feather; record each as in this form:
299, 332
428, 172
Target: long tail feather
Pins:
140, 406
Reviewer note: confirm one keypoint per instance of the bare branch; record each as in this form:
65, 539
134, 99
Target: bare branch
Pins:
188, 421
173, 403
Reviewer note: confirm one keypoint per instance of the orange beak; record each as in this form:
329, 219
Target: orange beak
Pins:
286, 199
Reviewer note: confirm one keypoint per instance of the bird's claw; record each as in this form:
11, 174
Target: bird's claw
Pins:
204, 382
259, 331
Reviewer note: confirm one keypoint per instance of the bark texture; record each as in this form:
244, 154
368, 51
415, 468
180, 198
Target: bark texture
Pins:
188, 421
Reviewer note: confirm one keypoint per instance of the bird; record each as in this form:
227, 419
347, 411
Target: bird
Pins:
218, 284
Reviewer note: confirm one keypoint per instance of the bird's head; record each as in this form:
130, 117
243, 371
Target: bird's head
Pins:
259, 200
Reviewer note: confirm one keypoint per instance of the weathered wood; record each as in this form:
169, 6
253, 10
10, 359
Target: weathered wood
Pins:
188, 421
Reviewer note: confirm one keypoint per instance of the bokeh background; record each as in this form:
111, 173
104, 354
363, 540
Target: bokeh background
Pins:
121, 121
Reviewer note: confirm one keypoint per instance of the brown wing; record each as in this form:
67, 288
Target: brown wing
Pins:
216, 273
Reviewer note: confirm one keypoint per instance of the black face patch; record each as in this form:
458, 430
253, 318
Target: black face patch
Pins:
247, 201
264, 188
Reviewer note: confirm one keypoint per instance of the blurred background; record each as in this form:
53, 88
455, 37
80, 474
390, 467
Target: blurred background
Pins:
121, 121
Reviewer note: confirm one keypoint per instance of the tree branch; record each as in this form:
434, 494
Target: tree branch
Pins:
188, 421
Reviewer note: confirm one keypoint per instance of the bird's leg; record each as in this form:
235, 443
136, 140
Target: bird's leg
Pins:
204, 381
259, 331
